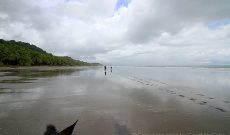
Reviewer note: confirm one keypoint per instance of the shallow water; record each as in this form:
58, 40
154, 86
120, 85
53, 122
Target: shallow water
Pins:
129, 100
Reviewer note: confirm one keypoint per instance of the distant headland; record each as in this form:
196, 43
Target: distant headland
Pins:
17, 53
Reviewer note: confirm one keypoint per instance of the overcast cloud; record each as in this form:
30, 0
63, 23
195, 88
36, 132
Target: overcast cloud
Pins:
123, 32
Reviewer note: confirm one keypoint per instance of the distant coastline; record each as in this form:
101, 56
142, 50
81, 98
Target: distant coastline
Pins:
17, 54
190, 66
195, 66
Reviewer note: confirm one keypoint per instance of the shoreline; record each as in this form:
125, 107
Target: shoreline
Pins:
43, 67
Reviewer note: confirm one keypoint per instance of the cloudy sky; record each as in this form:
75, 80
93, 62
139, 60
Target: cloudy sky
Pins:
123, 32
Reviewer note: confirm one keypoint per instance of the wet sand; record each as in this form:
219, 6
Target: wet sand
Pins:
126, 101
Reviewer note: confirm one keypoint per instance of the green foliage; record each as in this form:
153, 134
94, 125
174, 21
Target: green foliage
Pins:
24, 54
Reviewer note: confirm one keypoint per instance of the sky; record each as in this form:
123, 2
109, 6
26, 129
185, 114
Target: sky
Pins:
123, 32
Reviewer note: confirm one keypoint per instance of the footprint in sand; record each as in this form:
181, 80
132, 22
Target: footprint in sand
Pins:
203, 103
200, 95
210, 98
193, 99
226, 101
181, 95
220, 109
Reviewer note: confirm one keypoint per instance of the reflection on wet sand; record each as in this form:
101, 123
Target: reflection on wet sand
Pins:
161, 84
131, 101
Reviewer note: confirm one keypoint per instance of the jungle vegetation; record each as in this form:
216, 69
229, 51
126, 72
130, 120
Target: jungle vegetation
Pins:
19, 53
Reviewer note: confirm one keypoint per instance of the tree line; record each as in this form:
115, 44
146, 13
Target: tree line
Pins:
25, 54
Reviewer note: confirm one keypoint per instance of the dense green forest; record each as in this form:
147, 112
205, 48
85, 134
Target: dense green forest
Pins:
25, 54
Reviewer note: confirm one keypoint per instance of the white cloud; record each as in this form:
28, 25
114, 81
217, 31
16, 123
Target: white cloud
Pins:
147, 32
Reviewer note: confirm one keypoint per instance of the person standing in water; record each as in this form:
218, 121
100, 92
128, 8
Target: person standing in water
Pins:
105, 70
111, 69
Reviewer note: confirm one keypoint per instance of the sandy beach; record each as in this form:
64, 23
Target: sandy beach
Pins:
126, 101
